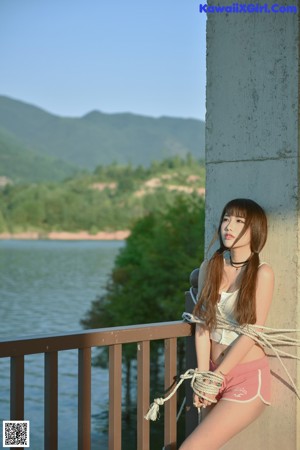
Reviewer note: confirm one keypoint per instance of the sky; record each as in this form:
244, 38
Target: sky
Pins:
70, 57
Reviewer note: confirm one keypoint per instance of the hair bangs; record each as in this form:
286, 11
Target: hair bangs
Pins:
239, 208
235, 210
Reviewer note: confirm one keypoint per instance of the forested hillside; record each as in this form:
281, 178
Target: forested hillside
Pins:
20, 164
111, 198
98, 138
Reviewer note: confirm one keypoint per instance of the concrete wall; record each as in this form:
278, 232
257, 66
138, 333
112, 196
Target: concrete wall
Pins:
252, 150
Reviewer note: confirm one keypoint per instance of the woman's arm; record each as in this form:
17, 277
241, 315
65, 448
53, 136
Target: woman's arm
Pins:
202, 341
202, 344
264, 294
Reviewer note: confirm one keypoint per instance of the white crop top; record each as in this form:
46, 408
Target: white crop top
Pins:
226, 307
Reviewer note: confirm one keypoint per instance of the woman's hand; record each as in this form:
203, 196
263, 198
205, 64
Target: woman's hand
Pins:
200, 402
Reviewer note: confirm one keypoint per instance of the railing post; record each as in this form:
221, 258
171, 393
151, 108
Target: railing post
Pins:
51, 401
115, 397
170, 435
17, 388
191, 413
143, 426
84, 399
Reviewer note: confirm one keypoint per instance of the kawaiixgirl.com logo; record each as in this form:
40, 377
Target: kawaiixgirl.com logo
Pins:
240, 8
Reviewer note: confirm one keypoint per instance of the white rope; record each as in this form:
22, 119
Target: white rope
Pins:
264, 336
181, 409
202, 383
209, 383
192, 295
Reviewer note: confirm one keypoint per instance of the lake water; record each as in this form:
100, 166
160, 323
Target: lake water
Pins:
46, 287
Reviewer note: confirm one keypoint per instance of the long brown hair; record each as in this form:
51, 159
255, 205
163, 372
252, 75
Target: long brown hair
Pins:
245, 311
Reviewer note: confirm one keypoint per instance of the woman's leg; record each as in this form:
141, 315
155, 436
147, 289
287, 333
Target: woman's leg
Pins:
223, 422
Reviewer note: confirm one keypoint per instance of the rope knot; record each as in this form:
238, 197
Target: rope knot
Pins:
153, 412
201, 382
207, 383
159, 401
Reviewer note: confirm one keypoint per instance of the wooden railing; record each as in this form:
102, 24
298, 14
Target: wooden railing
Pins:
114, 338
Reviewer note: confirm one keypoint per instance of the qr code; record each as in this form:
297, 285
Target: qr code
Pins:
15, 433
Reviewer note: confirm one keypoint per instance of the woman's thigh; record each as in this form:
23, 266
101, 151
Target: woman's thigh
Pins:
223, 422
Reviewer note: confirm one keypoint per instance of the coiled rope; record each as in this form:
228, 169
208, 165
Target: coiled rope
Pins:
267, 337
264, 336
202, 383
209, 383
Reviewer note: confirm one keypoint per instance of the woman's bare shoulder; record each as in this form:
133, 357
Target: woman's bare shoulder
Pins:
265, 269
265, 274
202, 274
204, 264
203, 268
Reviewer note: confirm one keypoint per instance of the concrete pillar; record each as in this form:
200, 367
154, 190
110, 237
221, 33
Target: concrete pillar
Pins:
252, 150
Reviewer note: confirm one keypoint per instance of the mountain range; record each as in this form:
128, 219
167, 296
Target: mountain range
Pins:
36, 145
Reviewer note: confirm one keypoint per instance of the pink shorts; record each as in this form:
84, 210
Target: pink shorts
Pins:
246, 382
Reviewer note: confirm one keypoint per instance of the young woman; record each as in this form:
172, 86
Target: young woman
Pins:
238, 287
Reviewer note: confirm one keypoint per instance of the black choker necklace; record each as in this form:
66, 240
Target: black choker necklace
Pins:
238, 265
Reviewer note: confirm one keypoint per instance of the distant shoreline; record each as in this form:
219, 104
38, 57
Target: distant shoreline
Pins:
119, 235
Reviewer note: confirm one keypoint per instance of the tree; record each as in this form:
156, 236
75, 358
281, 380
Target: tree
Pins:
152, 271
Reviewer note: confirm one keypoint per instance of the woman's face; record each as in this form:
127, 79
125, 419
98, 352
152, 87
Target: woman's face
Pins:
231, 227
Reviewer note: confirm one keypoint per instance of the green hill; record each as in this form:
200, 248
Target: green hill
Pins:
100, 139
19, 163
111, 198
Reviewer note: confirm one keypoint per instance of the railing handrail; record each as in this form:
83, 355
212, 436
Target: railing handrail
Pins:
18, 348
93, 338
